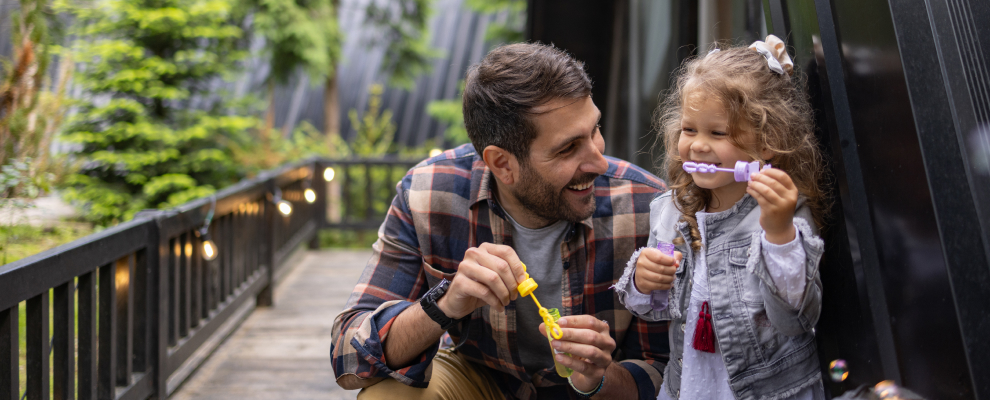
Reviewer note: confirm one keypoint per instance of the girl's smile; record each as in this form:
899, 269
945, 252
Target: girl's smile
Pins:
705, 139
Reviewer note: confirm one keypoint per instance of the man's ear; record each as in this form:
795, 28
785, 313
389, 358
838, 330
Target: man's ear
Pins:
503, 164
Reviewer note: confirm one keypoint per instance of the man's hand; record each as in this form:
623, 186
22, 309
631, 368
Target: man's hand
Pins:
777, 195
655, 270
489, 275
588, 342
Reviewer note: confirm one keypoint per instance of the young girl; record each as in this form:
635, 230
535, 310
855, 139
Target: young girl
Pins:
742, 292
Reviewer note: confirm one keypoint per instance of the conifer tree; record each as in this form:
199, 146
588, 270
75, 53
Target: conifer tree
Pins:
152, 130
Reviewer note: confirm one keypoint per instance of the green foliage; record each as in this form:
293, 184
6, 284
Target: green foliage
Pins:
298, 34
508, 31
29, 112
375, 131
450, 113
269, 149
18, 189
141, 143
402, 28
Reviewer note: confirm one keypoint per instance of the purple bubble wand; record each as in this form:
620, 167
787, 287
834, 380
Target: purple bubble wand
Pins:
741, 172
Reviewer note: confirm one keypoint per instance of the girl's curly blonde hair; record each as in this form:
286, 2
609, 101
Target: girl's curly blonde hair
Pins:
773, 105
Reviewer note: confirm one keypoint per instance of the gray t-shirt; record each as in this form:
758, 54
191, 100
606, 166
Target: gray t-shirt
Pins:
539, 249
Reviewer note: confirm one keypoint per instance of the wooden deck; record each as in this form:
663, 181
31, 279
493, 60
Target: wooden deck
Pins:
283, 352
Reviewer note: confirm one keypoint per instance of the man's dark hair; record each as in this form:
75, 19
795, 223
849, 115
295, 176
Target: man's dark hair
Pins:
512, 80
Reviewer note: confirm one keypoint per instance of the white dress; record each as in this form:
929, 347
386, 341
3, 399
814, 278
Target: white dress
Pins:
703, 375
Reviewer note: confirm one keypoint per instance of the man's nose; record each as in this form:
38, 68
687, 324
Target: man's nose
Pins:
597, 164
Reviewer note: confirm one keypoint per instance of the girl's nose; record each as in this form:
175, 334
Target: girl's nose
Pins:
701, 146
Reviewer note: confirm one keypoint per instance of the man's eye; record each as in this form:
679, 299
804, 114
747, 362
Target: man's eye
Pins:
567, 149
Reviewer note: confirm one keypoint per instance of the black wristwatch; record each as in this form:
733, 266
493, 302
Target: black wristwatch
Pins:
429, 304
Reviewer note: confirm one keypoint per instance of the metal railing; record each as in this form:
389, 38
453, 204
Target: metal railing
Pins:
131, 305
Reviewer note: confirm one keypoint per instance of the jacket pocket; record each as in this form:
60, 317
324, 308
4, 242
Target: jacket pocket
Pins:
747, 284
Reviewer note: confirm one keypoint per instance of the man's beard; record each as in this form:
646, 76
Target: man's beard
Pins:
539, 197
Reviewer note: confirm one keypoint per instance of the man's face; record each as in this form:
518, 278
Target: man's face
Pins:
557, 181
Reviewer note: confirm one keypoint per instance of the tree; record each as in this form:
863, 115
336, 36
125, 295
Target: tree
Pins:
403, 30
141, 141
300, 34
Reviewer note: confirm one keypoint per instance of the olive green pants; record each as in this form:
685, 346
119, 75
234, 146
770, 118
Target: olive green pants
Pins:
454, 378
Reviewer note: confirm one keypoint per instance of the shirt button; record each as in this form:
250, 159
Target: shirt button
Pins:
682, 327
679, 363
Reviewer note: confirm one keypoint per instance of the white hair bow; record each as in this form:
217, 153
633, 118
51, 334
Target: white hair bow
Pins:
774, 50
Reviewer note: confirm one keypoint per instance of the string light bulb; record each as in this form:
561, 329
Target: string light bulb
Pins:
281, 204
209, 247
328, 174
284, 207
435, 152
310, 195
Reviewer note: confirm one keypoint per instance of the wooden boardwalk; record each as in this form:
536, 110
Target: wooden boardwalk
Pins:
283, 352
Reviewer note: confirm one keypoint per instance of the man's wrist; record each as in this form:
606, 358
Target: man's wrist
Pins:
589, 393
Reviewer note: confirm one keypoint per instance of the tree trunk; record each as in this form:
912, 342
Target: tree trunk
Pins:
331, 107
270, 114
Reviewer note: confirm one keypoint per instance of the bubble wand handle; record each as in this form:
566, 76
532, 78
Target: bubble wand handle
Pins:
742, 171
526, 288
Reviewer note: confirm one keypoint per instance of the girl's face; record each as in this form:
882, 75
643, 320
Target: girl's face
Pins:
704, 138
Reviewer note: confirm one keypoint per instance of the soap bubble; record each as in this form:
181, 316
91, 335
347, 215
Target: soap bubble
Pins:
887, 390
838, 370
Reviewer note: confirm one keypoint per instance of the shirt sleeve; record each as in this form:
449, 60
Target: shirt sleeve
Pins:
647, 350
785, 263
393, 279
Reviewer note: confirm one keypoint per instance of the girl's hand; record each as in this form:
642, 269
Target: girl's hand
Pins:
655, 270
777, 195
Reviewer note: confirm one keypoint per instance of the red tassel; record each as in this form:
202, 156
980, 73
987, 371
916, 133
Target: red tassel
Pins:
704, 334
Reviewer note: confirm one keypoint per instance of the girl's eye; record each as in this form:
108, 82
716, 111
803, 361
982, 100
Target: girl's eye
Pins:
717, 133
689, 131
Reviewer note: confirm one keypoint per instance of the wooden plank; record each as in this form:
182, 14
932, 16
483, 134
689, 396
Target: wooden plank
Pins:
63, 342
142, 312
105, 386
181, 353
173, 290
282, 352
33, 275
9, 354
124, 272
37, 348
185, 250
88, 367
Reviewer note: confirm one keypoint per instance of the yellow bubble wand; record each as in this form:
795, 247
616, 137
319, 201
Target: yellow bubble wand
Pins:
526, 288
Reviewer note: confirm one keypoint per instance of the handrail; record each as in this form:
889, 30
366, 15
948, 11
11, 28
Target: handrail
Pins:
146, 297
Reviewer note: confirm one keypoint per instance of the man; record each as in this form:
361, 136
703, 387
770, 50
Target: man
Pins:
534, 188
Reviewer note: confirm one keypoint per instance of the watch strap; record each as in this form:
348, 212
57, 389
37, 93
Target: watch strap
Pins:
429, 304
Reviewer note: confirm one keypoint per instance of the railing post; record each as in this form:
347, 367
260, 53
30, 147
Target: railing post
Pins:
320, 206
154, 262
264, 298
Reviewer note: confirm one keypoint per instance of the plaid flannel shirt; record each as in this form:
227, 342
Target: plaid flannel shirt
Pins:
444, 206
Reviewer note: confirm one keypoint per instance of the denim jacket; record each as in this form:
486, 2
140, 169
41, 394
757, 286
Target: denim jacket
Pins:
768, 346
